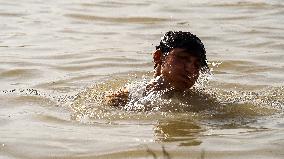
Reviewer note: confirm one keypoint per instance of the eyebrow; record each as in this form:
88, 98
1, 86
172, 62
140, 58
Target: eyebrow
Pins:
185, 52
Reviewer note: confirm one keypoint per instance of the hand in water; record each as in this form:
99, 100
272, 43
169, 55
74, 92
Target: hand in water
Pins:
118, 98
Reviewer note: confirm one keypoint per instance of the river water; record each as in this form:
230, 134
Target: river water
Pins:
57, 57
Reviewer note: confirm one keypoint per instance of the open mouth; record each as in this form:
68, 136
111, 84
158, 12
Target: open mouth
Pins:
188, 78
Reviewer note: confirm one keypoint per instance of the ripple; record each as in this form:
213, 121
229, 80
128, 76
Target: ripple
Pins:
81, 67
9, 4
139, 20
129, 60
53, 119
254, 5
238, 17
11, 14
113, 4
64, 56
20, 73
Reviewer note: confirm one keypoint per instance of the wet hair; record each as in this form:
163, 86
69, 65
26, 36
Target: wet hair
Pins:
183, 40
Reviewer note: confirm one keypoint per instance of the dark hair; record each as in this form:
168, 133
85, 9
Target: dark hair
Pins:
184, 40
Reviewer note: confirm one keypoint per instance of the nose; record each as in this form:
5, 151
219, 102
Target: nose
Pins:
192, 68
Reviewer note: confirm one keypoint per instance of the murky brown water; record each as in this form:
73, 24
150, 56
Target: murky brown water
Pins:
57, 57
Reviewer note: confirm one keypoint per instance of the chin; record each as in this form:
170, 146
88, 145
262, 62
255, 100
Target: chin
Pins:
183, 87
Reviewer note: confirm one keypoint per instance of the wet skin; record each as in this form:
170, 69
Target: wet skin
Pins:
179, 69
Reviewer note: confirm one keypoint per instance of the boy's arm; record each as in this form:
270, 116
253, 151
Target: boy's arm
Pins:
118, 98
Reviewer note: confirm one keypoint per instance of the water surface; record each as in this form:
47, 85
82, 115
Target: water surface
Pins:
58, 57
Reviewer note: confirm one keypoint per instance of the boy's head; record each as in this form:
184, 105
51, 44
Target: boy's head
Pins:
179, 58
183, 40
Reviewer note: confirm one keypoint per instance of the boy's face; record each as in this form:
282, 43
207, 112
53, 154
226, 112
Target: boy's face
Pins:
180, 68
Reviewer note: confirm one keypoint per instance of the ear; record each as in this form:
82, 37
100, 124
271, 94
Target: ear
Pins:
157, 56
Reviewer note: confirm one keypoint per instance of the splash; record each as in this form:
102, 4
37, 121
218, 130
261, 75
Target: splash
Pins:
203, 101
58, 99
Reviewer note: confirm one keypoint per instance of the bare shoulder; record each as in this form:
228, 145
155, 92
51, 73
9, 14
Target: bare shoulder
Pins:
117, 98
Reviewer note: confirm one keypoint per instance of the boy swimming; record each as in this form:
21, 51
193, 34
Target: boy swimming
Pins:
178, 61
